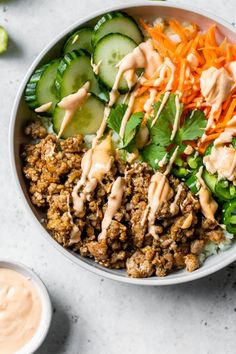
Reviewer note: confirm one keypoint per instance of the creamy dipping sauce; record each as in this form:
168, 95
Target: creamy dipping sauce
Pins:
20, 311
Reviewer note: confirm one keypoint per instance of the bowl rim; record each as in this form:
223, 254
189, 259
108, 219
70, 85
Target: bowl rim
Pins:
41, 333
153, 281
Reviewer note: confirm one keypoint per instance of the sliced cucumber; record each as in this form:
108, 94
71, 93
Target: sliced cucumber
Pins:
74, 70
41, 87
108, 52
86, 120
116, 22
81, 39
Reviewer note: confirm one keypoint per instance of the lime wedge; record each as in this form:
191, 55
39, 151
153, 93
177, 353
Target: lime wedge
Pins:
3, 40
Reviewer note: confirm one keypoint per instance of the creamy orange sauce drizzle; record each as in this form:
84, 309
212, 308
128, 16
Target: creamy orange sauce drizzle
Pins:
96, 66
165, 69
216, 85
208, 204
188, 150
174, 205
232, 69
102, 127
171, 66
20, 311
222, 159
127, 114
159, 191
192, 60
113, 205
228, 134
43, 108
131, 78
96, 163
142, 136
74, 235
133, 156
163, 161
142, 57
187, 222
71, 103
172, 160
148, 106
163, 102
177, 118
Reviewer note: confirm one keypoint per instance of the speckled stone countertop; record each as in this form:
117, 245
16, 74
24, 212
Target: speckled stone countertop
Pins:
94, 315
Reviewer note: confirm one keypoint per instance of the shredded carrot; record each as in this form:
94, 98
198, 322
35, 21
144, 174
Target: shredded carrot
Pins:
140, 102
143, 24
182, 75
141, 90
203, 145
178, 29
211, 36
228, 53
228, 115
208, 52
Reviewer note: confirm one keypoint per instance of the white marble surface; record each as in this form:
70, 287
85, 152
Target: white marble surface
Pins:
94, 315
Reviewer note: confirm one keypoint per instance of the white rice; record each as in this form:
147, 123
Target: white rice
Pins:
212, 248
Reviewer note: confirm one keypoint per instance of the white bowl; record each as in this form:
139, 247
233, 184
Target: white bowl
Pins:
41, 333
21, 113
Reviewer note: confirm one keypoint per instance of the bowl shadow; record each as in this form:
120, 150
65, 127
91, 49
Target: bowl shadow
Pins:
13, 50
220, 285
59, 333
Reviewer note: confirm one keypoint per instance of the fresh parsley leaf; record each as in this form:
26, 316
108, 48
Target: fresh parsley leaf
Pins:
132, 127
193, 127
161, 131
152, 154
115, 117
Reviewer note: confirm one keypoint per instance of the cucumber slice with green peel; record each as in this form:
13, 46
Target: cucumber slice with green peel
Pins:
108, 52
73, 71
116, 22
3, 40
41, 87
80, 39
87, 119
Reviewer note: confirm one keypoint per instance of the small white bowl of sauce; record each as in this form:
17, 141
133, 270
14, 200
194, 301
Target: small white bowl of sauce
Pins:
25, 309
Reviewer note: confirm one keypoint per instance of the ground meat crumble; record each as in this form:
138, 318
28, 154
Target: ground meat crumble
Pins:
53, 170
